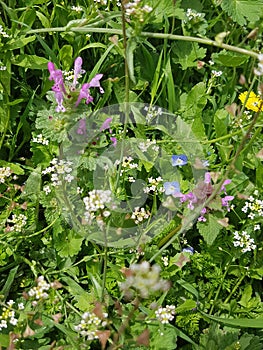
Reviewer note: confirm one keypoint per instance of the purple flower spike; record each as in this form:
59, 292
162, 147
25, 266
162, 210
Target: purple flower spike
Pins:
106, 124
59, 98
51, 68
82, 127
77, 70
171, 188
178, 160
84, 91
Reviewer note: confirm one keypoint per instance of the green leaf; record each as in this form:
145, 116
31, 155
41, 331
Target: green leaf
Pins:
193, 103
229, 59
188, 287
4, 340
30, 61
15, 168
242, 11
67, 243
43, 19
237, 322
188, 305
209, 229
187, 54
221, 122
18, 43
10, 279
165, 342
131, 46
65, 56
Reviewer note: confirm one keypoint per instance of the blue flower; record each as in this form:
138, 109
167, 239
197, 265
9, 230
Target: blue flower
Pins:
181, 159
171, 188
188, 250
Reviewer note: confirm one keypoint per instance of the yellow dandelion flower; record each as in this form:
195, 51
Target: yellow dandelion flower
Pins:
254, 102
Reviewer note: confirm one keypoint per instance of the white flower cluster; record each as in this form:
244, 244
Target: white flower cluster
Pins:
77, 8
126, 164
59, 169
40, 139
244, 241
253, 207
18, 221
144, 279
90, 324
165, 260
143, 146
97, 200
134, 8
216, 73
8, 315
4, 173
152, 112
259, 70
165, 314
40, 291
139, 214
154, 185
3, 67
2, 32
192, 14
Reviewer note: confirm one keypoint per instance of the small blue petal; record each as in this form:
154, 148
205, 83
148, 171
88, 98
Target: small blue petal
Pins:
188, 250
171, 187
180, 159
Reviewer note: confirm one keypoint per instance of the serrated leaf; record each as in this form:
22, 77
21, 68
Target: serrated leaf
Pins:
67, 243
188, 54
209, 229
229, 59
243, 11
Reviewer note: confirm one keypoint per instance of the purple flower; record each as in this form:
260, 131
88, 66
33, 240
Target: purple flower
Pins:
85, 92
106, 124
225, 201
114, 141
180, 159
59, 98
57, 76
207, 178
77, 71
226, 182
82, 127
171, 188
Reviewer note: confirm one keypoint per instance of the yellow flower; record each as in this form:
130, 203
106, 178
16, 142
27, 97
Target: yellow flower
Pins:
254, 102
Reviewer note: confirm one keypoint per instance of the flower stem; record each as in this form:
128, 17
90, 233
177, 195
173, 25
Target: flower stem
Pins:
165, 36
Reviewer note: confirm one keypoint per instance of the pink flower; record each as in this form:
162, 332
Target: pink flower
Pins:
114, 141
59, 98
77, 71
85, 92
225, 201
106, 124
226, 182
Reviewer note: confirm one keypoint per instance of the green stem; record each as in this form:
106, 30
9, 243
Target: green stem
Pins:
204, 41
194, 216
127, 94
234, 289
